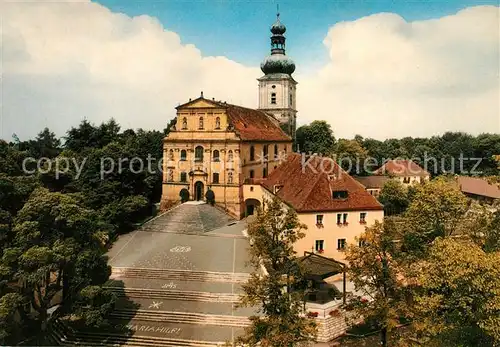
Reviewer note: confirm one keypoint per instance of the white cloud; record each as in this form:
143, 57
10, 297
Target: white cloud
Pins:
387, 77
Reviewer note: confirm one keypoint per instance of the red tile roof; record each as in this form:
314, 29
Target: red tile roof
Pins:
372, 182
478, 186
401, 168
309, 188
249, 124
255, 125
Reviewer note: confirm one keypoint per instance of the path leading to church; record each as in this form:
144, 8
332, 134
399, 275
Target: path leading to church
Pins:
178, 279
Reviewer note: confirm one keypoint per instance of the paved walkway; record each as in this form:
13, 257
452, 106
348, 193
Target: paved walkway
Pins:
193, 249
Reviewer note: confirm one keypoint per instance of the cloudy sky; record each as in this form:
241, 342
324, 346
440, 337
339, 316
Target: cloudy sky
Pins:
376, 68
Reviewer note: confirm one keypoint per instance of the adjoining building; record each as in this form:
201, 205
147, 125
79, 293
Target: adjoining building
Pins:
333, 205
407, 171
479, 189
373, 184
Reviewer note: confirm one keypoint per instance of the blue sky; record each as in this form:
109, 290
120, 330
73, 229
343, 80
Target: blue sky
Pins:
391, 69
239, 30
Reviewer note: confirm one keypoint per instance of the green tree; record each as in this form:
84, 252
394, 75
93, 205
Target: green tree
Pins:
46, 144
52, 232
437, 209
316, 137
282, 323
351, 156
459, 300
394, 197
376, 273
9, 327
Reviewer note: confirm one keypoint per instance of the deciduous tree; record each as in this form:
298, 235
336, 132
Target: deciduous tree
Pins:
376, 273
282, 323
459, 300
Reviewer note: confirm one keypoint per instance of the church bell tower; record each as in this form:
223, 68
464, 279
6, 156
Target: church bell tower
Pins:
277, 88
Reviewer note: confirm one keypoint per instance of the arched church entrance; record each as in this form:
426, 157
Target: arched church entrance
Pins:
198, 190
251, 206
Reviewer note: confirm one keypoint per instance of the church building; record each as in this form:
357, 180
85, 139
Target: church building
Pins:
217, 146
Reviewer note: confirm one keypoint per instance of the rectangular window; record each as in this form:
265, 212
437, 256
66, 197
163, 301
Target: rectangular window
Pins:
319, 245
341, 244
406, 180
361, 243
339, 218
215, 177
273, 98
319, 220
183, 177
362, 217
345, 218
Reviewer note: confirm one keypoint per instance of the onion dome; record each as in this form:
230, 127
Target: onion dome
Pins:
277, 63
278, 28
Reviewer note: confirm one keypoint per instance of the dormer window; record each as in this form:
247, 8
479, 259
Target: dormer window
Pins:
273, 98
340, 194
277, 188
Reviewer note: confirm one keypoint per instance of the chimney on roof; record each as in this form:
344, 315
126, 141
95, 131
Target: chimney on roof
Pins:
202, 94
189, 99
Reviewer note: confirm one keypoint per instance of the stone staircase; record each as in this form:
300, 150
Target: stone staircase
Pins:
174, 295
194, 218
181, 275
63, 336
180, 317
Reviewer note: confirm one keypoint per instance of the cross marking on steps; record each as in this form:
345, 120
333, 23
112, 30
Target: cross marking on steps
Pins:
155, 304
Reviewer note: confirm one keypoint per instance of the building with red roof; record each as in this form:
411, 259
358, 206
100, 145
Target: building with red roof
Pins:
214, 146
334, 206
407, 171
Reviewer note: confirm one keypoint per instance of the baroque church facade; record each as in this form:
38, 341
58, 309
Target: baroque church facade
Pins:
219, 147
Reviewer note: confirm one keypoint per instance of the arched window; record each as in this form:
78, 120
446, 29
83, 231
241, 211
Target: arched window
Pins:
230, 177
264, 172
291, 99
252, 174
184, 123
200, 124
198, 153
230, 157
252, 153
215, 155
265, 151
217, 123
276, 155
183, 154
171, 154
273, 98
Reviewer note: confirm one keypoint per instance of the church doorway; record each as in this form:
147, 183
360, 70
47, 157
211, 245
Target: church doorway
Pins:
198, 191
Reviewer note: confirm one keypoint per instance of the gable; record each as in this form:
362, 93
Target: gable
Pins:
199, 103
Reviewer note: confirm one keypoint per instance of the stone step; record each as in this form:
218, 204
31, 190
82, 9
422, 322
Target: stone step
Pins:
175, 295
177, 274
67, 337
181, 317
